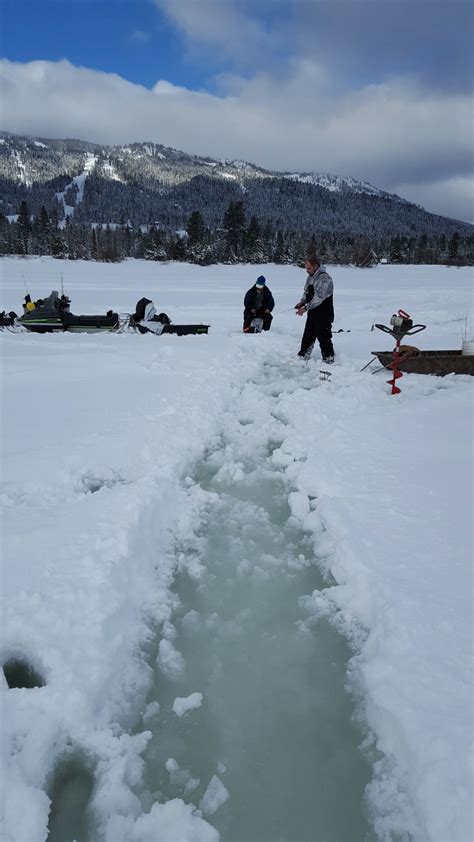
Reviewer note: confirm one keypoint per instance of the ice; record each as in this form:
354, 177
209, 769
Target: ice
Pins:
182, 706
299, 504
169, 660
151, 710
86, 574
164, 823
214, 797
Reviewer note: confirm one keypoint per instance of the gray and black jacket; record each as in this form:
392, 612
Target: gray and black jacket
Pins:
318, 293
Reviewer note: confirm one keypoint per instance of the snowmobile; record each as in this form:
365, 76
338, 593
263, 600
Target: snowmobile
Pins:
146, 320
52, 315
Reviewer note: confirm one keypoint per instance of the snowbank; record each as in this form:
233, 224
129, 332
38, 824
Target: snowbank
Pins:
97, 434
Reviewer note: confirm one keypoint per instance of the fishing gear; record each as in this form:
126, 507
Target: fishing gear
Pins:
401, 326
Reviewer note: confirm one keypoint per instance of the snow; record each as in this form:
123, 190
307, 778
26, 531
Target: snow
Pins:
336, 183
182, 706
78, 181
40, 145
109, 171
151, 710
98, 436
214, 797
21, 167
169, 660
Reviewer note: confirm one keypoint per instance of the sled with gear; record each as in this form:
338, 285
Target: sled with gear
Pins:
53, 315
146, 320
410, 360
439, 363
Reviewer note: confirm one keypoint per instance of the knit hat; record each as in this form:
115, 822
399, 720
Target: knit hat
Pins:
261, 281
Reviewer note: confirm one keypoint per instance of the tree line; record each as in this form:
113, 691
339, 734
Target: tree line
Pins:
237, 239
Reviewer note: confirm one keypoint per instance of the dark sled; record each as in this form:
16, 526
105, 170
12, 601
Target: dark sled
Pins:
51, 315
146, 320
186, 330
439, 363
37, 323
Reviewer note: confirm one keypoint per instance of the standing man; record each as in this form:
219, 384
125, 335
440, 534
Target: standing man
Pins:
258, 304
318, 304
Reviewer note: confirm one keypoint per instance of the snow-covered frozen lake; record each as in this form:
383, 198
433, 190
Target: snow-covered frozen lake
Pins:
247, 591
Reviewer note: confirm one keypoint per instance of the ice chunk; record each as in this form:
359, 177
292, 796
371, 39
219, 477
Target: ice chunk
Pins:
299, 504
151, 710
191, 785
169, 660
214, 797
192, 702
192, 620
168, 630
178, 777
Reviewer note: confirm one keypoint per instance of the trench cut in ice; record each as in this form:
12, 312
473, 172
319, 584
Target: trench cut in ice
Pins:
271, 753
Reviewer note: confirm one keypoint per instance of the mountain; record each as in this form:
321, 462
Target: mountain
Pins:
147, 184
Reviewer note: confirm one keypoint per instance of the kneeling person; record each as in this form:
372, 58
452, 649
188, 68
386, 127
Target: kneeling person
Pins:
258, 304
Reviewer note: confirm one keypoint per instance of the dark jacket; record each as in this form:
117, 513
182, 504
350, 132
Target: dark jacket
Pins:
256, 300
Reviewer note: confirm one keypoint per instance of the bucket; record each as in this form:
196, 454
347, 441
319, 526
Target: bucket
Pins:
468, 348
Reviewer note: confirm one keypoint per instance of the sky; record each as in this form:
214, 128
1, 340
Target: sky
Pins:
380, 90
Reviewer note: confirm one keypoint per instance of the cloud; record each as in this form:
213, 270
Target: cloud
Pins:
222, 24
359, 40
397, 135
454, 195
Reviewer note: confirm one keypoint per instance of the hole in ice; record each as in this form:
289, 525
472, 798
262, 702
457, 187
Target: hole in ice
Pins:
90, 483
70, 793
20, 674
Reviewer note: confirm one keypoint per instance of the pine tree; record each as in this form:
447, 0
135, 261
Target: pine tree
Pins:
42, 233
234, 228
5, 236
311, 248
453, 249
94, 245
23, 229
421, 250
196, 229
253, 243
396, 250
280, 250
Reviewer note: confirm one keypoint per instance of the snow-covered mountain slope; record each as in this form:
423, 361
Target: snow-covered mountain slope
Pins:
144, 181
340, 184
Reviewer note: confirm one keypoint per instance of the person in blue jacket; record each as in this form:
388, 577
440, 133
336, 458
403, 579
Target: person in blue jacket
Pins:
258, 304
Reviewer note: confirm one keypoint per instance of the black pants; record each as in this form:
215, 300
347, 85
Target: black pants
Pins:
318, 326
260, 314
